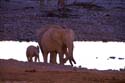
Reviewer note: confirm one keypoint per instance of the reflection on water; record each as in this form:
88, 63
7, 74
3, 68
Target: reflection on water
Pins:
87, 54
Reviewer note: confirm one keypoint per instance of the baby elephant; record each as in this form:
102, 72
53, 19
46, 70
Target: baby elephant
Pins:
31, 52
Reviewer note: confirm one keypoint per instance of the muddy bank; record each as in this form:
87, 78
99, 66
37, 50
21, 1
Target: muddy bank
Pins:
13, 71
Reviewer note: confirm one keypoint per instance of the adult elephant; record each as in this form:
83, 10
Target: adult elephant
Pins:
31, 52
40, 33
56, 39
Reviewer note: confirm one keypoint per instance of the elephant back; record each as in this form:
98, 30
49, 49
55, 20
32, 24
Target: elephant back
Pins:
32, 50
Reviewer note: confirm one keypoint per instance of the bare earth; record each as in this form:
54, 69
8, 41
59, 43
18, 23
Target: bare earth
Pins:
13, 71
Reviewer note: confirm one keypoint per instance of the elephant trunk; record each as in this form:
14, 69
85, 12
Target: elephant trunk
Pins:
71, 60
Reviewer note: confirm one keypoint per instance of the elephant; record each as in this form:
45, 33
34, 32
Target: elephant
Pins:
31, 52
55, 39
40, 33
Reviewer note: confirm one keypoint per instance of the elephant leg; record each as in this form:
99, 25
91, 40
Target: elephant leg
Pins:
45, 57
61, 58
31, 59
38, 58
35, 58
53, 57
28, 59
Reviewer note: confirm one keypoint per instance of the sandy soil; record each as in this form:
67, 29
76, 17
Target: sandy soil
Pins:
13, 71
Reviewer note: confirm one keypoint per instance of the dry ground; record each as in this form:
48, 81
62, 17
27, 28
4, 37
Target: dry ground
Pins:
13, 71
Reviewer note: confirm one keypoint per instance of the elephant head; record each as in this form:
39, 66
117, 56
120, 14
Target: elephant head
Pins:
31, 52
68, 46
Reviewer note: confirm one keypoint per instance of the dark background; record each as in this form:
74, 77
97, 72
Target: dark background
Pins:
91, 21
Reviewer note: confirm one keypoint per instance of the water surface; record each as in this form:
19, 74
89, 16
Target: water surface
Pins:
92, 55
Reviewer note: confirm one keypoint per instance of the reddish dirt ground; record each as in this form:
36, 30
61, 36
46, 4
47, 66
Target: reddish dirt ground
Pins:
13, 71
